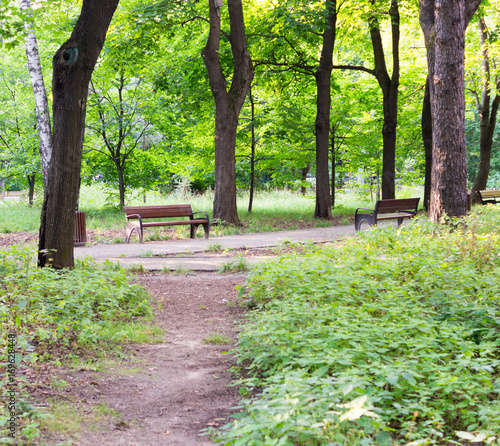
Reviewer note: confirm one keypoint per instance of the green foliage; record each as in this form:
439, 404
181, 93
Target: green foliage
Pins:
69, 308
389, 338
55, 314
240, 264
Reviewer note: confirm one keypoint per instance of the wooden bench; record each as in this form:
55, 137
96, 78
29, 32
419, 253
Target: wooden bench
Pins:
489, 196
397, 209
141, 213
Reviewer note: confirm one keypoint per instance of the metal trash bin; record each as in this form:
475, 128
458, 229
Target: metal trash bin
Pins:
80, 238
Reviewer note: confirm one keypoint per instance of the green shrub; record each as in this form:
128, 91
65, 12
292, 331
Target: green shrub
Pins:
392, 337
52, 314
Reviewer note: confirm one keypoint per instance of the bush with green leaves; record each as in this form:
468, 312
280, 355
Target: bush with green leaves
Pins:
391, 337
50, 306
55, 313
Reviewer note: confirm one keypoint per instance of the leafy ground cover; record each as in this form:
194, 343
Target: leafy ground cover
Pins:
54, 316
389, 338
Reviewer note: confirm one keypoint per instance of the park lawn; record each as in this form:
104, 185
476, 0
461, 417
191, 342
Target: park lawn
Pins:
272, 210
389, 338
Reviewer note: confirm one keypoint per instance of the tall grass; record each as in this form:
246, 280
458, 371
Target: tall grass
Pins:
272, 210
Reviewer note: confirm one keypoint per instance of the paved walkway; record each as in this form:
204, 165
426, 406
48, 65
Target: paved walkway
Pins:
149, 255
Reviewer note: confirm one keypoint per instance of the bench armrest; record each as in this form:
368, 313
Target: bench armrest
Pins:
134, 216
363, 209
202, 212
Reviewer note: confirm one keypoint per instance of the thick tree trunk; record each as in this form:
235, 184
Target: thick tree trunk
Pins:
73, 65
390, 89
443, 25
449, 170
40, 95
227, 103
488, 118
322, 126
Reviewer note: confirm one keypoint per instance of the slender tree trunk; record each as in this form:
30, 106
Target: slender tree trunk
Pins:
252, 154
40, 94
31, 189
333, 168
322, 126
73, 65
390, 90
488, 118
121, 183
427, 140
303, 177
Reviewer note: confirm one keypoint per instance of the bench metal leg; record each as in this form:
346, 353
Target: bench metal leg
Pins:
360, 218
193, 229
129, 233
206, 227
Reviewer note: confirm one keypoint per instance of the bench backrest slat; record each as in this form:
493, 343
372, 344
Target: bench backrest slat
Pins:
176, 210
401, 204
489, 194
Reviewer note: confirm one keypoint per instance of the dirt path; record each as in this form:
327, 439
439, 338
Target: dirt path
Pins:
169, 391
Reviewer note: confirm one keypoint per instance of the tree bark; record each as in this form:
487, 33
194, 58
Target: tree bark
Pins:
488, 117
322, 126
252, 153
31, 189
443, 24
40, 94
390, 90
73, 65
427, 140
228, 103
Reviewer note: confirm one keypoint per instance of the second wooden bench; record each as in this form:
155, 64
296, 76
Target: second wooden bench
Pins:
397, 209
489, 196
140, 213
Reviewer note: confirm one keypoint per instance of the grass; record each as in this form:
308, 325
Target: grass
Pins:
214, 248
388, 338
218, 339
137, 333
233, 266
67, 418
273, 210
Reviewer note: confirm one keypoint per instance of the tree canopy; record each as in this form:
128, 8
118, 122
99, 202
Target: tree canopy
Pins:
153, 97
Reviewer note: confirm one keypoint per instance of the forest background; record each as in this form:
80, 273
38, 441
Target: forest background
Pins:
150, 117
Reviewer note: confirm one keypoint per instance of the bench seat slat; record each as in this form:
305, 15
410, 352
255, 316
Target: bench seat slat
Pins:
172, 223
395, 215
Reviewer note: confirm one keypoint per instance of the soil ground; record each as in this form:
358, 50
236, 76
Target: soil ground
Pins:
164, 393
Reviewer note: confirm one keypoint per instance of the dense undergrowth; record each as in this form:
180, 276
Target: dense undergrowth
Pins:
58, 316
389, 338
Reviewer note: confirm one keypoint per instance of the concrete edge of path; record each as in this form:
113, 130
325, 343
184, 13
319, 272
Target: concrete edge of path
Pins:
148, 256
